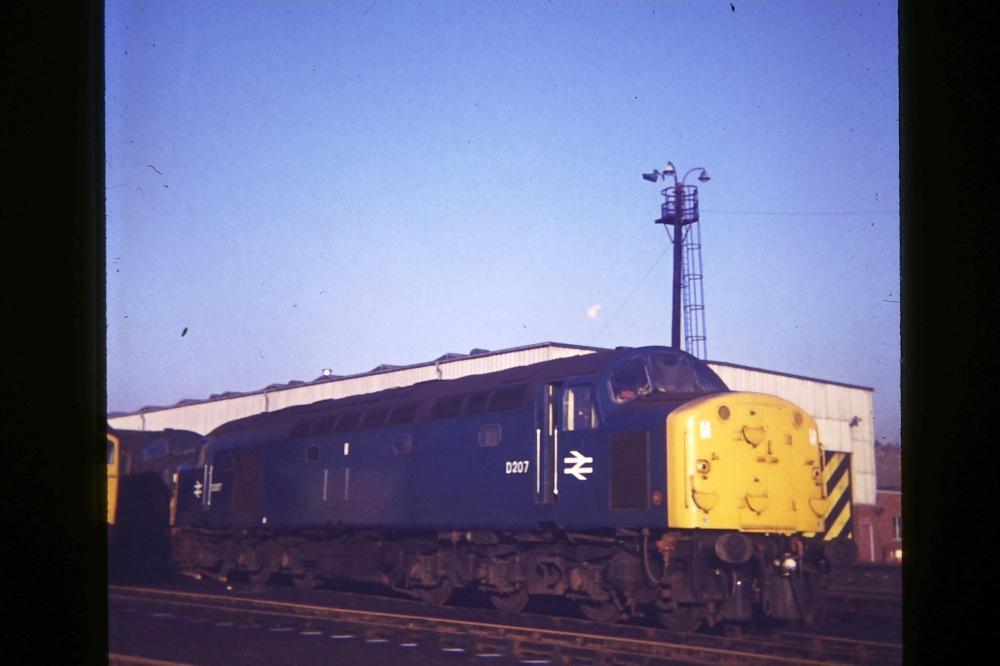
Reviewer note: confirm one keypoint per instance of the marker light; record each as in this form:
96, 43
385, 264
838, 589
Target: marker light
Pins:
657, 498
723, 413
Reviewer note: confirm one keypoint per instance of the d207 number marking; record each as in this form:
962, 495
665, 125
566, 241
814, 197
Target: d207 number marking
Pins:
518, 466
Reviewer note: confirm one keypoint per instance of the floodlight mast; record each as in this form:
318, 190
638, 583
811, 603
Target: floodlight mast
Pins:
680, 208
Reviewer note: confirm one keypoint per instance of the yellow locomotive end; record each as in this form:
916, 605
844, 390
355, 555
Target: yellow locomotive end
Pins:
745, 461
113, 459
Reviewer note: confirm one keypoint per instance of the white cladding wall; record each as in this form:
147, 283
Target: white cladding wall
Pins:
204, 417
201, 417
834, 407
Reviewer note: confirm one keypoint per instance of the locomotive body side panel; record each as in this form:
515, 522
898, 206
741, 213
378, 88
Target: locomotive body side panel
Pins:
475, 473
626, 466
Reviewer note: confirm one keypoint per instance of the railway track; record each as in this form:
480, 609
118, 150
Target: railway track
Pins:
867, 590
522, 638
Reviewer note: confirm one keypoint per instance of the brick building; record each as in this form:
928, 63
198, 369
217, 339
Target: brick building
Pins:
880, 531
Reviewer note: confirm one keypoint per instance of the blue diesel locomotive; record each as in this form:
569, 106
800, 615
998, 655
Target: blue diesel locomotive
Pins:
630, 481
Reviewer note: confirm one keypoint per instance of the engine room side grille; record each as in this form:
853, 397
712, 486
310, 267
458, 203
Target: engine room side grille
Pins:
629, 470
246, 483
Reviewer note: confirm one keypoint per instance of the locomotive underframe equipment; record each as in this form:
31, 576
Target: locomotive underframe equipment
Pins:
684, 578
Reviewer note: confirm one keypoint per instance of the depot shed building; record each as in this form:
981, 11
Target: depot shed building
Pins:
844, 413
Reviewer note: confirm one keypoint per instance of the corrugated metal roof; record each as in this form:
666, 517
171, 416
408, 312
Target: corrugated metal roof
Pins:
218, 396
382, 368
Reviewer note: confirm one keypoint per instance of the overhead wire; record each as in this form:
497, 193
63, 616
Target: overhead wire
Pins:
632, 293
800, 213
731, 212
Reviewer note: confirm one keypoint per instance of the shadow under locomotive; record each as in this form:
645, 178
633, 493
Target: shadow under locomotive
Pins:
631, 482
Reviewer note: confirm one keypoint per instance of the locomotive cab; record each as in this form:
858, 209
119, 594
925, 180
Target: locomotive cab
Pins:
744, 489
734, 460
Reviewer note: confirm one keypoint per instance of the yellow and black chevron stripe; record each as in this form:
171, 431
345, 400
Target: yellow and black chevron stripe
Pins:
837, 477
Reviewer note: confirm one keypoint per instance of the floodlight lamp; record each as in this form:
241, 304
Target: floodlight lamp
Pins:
669, 170
704, 177
653, 176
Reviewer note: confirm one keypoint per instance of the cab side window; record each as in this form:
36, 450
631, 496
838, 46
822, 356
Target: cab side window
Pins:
578, 409
630, 381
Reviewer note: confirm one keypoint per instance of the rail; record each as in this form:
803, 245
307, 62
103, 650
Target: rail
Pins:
543, 638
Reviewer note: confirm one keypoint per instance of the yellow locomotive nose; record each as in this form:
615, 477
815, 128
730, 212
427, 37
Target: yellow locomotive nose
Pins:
744, 461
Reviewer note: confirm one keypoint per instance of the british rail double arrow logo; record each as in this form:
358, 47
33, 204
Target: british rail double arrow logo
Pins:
578, 460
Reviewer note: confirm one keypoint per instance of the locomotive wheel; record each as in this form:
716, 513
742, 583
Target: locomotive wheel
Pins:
435, 596
682, 618
510, 603
604, 613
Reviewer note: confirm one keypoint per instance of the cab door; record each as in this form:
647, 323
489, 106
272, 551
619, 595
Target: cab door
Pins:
577, 457
547, 417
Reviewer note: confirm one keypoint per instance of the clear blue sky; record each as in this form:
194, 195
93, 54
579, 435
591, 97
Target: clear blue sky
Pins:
308, 185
